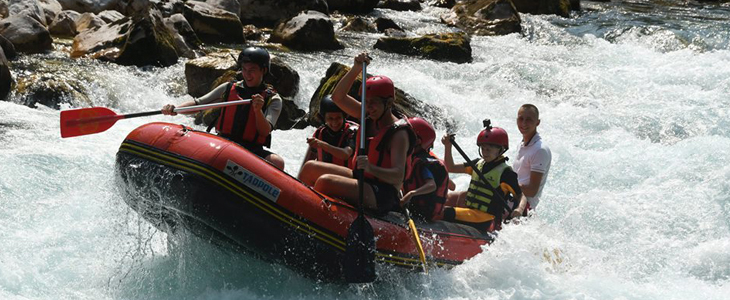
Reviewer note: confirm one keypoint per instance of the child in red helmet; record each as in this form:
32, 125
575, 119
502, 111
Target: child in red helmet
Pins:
484, 210
334, 141
427, 183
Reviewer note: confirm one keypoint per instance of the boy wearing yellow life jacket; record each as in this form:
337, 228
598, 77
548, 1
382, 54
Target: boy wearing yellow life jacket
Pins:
484, 209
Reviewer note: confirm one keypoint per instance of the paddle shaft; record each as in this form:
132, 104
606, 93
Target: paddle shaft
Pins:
363, 150
481, 176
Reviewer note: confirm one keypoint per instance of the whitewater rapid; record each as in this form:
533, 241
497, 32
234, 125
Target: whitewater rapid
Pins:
637, 203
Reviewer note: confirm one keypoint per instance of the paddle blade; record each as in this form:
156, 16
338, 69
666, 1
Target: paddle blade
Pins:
417, 240
83, 121
359, 263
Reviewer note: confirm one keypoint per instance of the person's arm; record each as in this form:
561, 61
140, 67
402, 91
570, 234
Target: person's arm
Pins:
340, 97
428, 187
216, 95
398, 155
265, 123
530, 189
341, 153
449, 158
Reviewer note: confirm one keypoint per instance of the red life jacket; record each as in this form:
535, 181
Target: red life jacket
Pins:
431, 204
338, 139
238, 122
379, 145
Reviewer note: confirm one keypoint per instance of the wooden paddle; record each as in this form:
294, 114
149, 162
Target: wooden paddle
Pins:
83, 121
359, 263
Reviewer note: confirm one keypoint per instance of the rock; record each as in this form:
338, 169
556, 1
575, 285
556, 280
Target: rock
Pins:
88, 21
64, 25
232, 6
404, 102
30, 8
109, 16
543, 7
442, 3
575, 5
4, 10
6, 78
50, 90
392, 32
140, 41
400, 5
170, 7
213, 25
93, 6
186, 41
8, 48
51, 8
26, 33
353, 6
308, 31
453, 47
384, 23
484, 17
267, 13
251, 33
359, 24
134, 7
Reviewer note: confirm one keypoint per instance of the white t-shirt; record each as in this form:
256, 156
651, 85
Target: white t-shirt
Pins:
533, 157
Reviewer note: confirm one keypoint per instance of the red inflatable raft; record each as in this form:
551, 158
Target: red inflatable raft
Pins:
176, 177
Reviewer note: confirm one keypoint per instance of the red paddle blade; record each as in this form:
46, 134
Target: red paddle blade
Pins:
85, 121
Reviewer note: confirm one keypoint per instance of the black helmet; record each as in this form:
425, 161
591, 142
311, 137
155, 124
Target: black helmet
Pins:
327, 105
255, 55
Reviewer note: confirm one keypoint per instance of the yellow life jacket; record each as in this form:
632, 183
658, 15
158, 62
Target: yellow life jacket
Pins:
481, 197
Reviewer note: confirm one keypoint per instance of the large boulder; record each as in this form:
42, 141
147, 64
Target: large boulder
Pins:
8, 48
453, 47
308, 31
88, 20
400, 5
4, 10
267, 13
212, 24
6, 78
353, 6
26, 33
442, 3
110, 16
140, 41
484, 17
51, 8
170, 7
64, 25
186, 41
404, 102
30, 8
232, 6
359, 24
384, 24
544, 7
94, 6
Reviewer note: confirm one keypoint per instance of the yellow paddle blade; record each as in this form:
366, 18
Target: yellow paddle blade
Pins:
417, 239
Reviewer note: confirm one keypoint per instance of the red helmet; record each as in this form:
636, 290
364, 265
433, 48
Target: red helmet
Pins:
379, 86
424, 131
493, 135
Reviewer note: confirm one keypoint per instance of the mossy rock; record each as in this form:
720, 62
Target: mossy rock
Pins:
452, 47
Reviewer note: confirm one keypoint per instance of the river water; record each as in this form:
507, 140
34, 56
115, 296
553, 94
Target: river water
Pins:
635, 106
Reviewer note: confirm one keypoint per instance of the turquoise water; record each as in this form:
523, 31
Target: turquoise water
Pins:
634, 103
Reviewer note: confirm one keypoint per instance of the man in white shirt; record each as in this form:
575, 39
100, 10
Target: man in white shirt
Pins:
533, 160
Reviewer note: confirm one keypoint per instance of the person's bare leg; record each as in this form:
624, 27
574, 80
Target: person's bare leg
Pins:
313, 169
276, 160
346, 189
